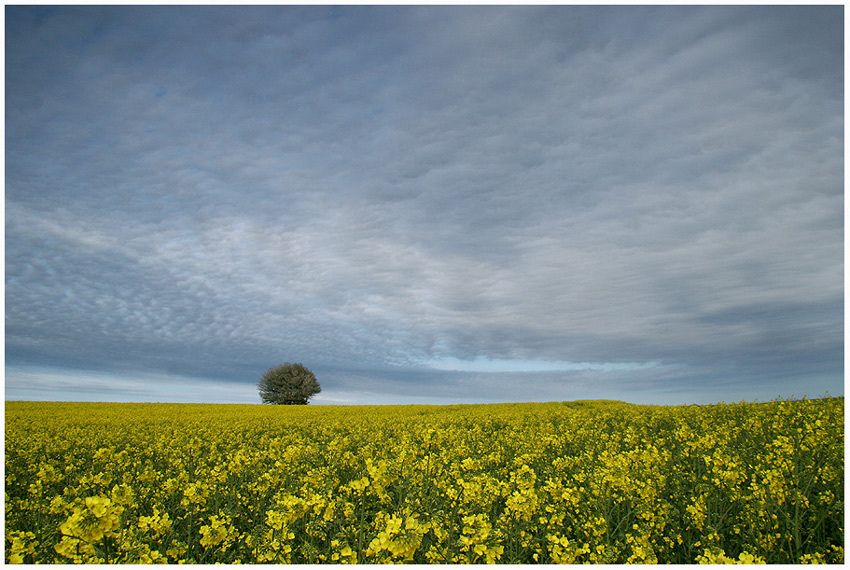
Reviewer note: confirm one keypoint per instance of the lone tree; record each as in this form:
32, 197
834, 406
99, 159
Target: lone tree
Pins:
288, 384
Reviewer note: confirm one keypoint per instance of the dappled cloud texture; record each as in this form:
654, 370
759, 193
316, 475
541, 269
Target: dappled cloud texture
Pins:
205, 192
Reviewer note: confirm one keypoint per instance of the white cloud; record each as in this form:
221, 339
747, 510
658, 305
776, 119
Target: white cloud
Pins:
56, 384
491, 365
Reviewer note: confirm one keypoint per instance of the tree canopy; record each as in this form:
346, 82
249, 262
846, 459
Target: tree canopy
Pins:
288, 384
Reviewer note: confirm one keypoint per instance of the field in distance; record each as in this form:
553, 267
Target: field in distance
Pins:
591, 481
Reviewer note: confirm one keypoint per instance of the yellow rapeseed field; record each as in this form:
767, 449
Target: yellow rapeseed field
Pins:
596, 481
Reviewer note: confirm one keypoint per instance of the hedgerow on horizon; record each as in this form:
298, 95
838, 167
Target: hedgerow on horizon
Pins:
590, 481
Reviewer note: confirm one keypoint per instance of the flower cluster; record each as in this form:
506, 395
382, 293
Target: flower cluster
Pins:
92, 522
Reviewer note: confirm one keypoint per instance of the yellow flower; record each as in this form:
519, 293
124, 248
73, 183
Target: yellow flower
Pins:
158, 523
717, 555
747, 558
123, 495
77, 550
22, 544
93, 521
177, 550
98, 505
218, 533
344, 555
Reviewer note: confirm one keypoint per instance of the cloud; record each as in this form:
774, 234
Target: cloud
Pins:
487, 365
51, 384
208, 191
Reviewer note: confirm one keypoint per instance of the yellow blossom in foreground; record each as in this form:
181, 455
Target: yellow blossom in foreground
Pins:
22, 545
564, 482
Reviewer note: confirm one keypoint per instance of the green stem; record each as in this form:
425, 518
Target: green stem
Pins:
360, 528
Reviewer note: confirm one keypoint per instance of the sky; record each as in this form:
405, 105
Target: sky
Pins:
431, 205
